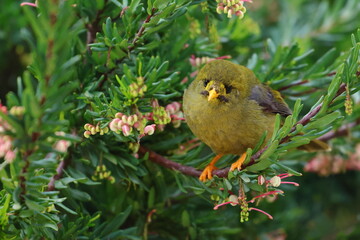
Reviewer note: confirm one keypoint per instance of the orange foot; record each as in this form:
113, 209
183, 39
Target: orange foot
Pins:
207, 173
238, 163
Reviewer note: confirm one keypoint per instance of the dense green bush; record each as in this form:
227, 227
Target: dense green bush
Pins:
93, 144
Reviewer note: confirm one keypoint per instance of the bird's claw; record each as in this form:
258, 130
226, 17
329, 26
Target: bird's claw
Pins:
237, 165
207, 173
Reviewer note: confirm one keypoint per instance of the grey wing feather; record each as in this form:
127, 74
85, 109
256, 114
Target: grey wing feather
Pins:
264, 96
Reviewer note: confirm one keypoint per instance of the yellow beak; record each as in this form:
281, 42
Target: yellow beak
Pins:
212, 94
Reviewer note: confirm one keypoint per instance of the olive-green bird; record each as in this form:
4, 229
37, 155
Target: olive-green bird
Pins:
229, 109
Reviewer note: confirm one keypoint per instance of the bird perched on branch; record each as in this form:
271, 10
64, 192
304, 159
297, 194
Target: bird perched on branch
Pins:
229, 109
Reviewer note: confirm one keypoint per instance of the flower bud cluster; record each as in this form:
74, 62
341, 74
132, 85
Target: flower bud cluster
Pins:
161, 116
326, 164
92, 130
126, 124
164, 115
101, 173
244, 214
231, 7
176, 114
275, 181
17, 111
138, 88
6, 148
348, 102
199, 61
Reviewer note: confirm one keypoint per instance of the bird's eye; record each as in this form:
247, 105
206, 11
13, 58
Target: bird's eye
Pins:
228, 88
206, 82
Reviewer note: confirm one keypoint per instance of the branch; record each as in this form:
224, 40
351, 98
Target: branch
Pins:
306, 119
293, 85
161, 160
342, 131
190, 171
141, 30
24, 170
93, 28
59, 171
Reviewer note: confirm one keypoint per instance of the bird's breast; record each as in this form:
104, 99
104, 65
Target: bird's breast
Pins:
227, 128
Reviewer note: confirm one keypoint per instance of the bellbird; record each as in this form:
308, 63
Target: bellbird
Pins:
229, 109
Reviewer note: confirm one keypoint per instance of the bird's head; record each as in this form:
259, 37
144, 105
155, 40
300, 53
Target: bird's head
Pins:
222, 81
216, 90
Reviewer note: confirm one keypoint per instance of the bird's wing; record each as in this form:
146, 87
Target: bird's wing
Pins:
270, 100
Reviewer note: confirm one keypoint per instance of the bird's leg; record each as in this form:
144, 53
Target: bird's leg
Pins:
238, 163
207, 173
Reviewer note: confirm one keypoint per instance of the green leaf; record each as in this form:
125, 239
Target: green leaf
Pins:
185, 218
270, 150
151, 198
289, 170
117, 221
178, 182
79, 195
34, 205
160, 4
261, 165
325, 60
150, 7
294, 143
323, 121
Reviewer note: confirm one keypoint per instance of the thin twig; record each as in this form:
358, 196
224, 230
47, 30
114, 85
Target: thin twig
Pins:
293, 84
141, 30
57, 176
24, 170
342, 131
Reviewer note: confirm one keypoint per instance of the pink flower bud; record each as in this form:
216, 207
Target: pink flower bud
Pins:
135, 118
130, 120
150, 129
261, 180
192, 61
87, 134
197, 62
120, 124
119, 115
93, 130
137, 125
240, 14
10, 156
173, 107
62, 146
126, 129
229, 14
154, 103
124, 119
113, 125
